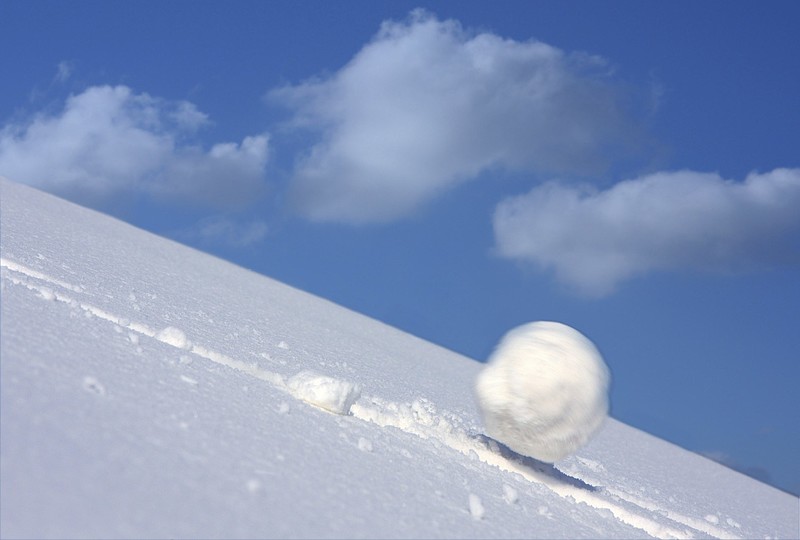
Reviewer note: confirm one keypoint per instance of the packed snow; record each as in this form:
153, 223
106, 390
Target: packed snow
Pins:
149, 390
544, 393
329, 393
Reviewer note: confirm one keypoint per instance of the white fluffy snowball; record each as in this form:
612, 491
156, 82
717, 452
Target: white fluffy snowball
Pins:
544, 392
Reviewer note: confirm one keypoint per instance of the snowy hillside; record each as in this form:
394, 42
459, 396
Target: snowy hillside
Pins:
149, 390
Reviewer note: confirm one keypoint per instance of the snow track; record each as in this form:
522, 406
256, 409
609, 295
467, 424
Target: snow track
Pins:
419, 418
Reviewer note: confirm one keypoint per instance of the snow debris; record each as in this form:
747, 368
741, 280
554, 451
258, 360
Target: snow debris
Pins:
510, 495
365, 445
334, 395
185, 360
545, 512
46, 293
711, 518
283, 408
283, 345
93, 386
175, 337
544, 393
733, 523
476, 509
188, 380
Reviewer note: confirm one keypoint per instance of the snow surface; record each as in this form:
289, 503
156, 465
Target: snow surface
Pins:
544, 393
149, 390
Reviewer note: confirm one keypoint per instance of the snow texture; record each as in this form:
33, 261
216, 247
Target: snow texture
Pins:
544, 393
113, 428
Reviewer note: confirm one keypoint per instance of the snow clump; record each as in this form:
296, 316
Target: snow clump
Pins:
544, 393
334, 395
175, 337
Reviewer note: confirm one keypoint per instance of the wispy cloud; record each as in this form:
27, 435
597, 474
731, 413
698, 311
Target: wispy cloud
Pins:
64, 71
427, 105
594, 240
227, 231
109, 141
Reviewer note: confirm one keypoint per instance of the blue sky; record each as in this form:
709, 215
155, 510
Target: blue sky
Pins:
458, 168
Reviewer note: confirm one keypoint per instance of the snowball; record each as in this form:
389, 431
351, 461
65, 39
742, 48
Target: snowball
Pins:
334, 395
544, 392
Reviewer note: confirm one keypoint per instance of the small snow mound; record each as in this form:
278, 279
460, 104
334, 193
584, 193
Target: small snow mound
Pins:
365, 445
334, 395
711, 518
476, 509
93, 386
544, 392
174, 336
510, 495
253, 486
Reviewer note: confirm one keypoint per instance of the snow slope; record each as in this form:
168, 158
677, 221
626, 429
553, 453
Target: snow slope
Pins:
149, 390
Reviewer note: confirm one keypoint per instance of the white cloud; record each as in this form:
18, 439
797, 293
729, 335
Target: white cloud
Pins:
64, 71
427, 105
670, 220
109, 141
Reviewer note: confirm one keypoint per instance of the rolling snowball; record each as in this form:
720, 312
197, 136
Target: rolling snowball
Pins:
544, 393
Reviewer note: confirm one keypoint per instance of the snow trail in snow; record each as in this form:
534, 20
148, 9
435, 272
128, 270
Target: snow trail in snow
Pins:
419, 418
169, 335
11, 265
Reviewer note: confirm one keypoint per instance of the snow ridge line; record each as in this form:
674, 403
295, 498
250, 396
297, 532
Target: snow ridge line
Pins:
167, 335
419, 418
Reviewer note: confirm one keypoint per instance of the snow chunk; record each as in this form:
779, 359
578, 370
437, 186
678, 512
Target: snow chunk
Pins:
174, 336
46, 293
365, 445
334, 395
544, 393
510, 495
476, 509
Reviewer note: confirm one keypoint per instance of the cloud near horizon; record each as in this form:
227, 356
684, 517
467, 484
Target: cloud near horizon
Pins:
427, 105
227, 231
109, 141
594, 240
